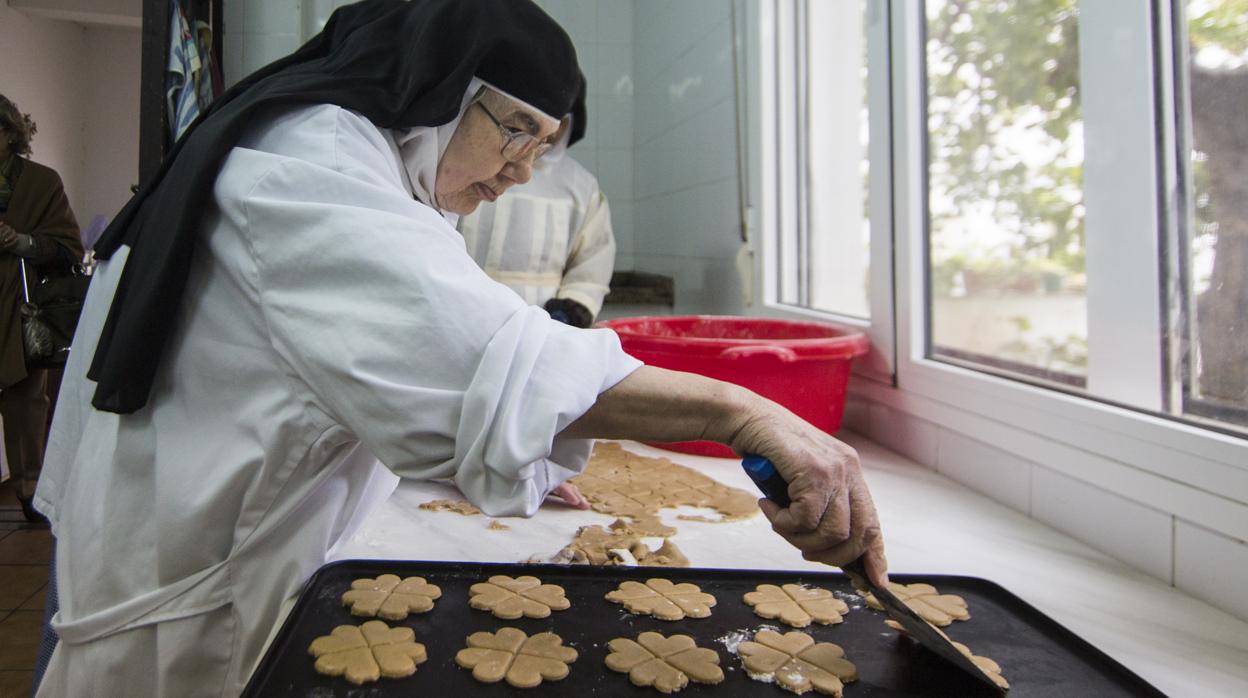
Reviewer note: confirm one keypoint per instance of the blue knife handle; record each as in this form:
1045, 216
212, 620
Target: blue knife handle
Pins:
767, 478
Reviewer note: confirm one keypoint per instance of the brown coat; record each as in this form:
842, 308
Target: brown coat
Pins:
38, 208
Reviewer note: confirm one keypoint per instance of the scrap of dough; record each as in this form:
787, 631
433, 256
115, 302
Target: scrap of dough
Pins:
667, 663
625, 484
797, 663
593, 545
496, 525
367, 652
796, 605
986, 665
932, 606
511, 598
459, 506
390, 597
663, 599
510, 654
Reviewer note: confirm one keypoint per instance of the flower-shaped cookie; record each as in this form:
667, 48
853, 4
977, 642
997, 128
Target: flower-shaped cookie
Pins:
390, 597
986, 665
511, 598
796, 605
510, 654
796, 662
663, 599
932, 606
364, 653
667, 663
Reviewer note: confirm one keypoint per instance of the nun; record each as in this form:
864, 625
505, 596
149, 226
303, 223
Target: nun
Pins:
286, 321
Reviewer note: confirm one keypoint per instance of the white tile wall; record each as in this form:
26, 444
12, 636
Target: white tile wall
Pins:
1000, 475
917, 439
1212, 567
1138, 535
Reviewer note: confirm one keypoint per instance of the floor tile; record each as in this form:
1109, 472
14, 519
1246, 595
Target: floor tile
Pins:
19, 640
26, 547
15, 684
19, 582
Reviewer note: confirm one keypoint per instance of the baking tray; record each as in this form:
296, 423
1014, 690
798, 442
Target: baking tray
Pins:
1038, 656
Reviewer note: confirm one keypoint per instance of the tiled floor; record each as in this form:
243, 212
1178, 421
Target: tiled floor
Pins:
24, 556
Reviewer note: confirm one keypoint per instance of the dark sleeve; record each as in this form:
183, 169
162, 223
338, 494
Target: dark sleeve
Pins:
569, 312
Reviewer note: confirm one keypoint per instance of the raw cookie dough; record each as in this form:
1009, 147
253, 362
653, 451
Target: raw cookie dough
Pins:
796, 605
459, 506
932, 606
390, 597
625, 484
667, 663
986, 665
593, 545
524, 661
511, 598
797, 663
497, 525
663, 599
364, 653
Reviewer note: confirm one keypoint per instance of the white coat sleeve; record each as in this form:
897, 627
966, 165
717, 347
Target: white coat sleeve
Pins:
399, 336
591, 259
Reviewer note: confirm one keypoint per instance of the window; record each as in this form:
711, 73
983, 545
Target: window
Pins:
1087, 221
832, 245
1212, 75
1067, 179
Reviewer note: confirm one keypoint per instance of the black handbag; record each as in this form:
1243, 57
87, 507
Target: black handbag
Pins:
50, 313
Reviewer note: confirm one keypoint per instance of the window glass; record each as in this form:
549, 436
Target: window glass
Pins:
829, 250
1214, 68
1006, 250
840, 228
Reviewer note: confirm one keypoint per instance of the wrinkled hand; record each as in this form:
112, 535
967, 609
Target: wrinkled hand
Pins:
570, 496
8, 237
831, 517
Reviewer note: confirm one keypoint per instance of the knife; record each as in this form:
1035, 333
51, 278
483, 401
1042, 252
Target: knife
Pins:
775, 488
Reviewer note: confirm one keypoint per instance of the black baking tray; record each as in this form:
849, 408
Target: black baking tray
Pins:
1038, 656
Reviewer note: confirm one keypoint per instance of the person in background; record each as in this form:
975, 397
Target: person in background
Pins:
36, 225
549, 239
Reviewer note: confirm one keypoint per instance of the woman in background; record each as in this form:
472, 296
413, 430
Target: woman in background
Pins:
36, 225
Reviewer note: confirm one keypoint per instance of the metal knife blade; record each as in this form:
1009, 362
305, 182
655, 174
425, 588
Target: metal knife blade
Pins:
772, 484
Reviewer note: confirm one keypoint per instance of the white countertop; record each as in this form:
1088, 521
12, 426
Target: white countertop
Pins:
932, 525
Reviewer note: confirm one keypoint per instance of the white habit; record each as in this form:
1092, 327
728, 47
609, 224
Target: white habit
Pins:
330, 321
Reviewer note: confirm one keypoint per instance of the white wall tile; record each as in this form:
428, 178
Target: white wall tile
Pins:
615, 174
261, 49
270, 17
1212, 567
613, 119
1138, 535
615, 22
1000, 475
579, 18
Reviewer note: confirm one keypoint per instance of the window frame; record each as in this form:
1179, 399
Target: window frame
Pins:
1195, 472
774, 48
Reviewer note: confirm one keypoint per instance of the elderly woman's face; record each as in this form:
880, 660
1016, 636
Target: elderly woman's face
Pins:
473, 168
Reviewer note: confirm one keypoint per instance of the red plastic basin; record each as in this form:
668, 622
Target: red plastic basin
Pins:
801, 365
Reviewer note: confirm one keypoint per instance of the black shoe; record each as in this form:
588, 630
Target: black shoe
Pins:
29, 511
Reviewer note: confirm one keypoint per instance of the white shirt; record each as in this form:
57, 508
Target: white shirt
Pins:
330, 321
548, 238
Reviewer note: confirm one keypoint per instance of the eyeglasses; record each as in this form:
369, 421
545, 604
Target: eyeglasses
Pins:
518, 145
